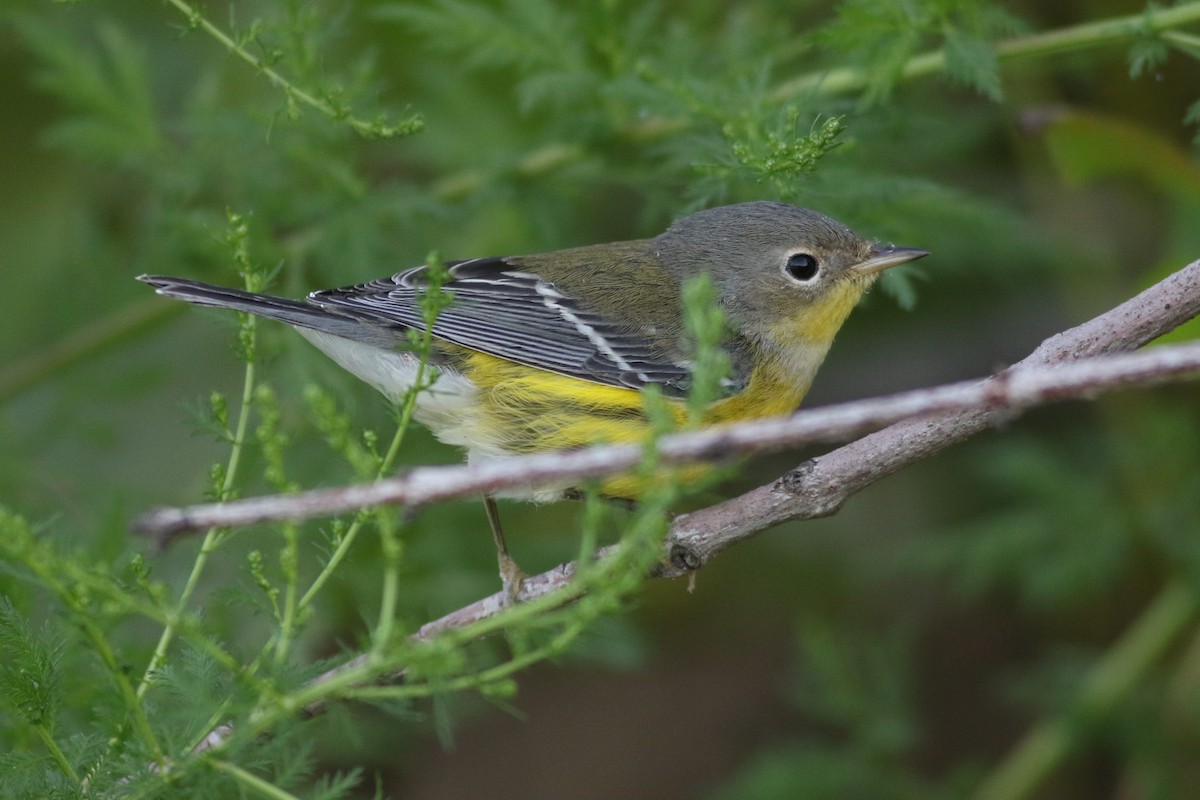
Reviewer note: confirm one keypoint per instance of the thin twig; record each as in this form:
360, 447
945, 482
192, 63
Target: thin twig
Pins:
1097, 33
373, 129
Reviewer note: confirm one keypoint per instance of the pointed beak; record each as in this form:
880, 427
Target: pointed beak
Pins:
886, 257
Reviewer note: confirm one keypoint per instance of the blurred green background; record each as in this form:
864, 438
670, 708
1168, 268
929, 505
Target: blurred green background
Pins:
899, 649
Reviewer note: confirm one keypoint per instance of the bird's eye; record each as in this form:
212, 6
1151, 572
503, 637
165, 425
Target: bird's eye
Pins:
801, 267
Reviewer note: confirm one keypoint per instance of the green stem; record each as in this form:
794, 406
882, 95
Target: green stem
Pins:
476, 680
1089, 34
389, 597
1110, 681
287, 622
252, 782
368, 670
57, 754
1187, 42
629, 562
385, 466
390, 545
96, 636
212, 538
343, 546
293, 92
58, 573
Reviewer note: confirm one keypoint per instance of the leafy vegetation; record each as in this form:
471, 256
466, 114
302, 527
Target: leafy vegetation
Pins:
995, 622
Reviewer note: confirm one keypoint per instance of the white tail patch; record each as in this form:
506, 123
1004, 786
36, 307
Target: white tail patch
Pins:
394, 372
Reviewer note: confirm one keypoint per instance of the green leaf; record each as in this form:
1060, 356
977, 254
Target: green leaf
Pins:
108, 93
972, 60
1146, 55
29, 681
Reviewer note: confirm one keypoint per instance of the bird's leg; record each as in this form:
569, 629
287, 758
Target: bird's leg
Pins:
511, 575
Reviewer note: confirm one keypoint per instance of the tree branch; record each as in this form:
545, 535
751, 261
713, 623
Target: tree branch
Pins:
1071, 364
818, 487
1075, 363
821, 485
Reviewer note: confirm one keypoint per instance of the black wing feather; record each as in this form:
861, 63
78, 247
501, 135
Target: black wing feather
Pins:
502, 311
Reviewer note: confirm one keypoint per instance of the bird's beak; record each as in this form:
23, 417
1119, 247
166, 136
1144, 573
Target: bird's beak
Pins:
885, 257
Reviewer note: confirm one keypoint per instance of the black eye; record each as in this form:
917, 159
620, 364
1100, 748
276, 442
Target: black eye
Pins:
802, 267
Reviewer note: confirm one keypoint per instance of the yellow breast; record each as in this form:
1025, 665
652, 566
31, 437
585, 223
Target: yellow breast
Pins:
516, 409
520, 409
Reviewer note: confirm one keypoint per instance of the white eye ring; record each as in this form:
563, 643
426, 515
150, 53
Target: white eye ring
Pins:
801, 267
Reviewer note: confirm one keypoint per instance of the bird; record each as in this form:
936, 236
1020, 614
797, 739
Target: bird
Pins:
553, 351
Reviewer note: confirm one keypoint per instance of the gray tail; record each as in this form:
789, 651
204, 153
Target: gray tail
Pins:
293, 312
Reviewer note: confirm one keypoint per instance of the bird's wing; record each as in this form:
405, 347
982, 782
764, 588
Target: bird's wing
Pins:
503, 311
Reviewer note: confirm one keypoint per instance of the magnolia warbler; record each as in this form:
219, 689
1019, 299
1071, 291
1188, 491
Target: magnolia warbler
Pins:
551, 351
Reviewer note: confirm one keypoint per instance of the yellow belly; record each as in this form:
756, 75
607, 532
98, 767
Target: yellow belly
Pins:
520, 410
